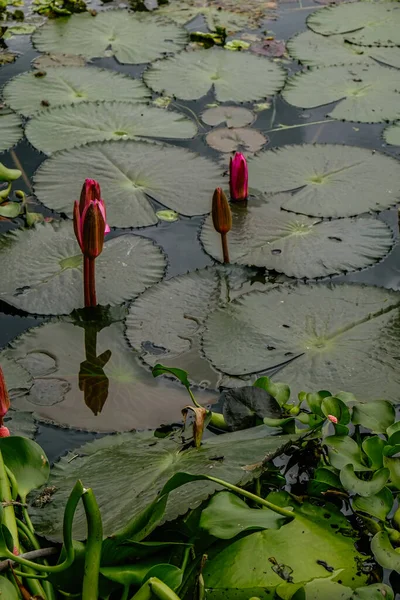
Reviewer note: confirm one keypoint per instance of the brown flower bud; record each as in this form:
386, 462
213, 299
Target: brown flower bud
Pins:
221, 212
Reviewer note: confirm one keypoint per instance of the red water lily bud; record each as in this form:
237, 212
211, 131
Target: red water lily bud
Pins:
90, 196
221, 212
4, 431
90, 192
93, 231
238, 178
4, 398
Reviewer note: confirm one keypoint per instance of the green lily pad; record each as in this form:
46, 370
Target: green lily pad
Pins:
241, 139
130, 172
60, 86
263, 235
137, 467
316, 50
238, 77
120, 395
391, 134
232, 116
365, 24
10, 130
332, 180
96, 122
330, 590
319, 329
17, 378
366, 93
127, 35
49, 279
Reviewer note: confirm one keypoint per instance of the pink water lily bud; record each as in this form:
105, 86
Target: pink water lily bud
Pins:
90, 222
4, 431
238, 178
332, 419
4, 398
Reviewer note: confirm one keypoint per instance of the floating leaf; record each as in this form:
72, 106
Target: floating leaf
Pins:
364, 24
366, 93
170, 216
334, 180
7, 57
137, 467
378, 505
391, 134
343, 450
384, 553
130, 172
49, 279
315, 50
44, 61
393, 464
233, 140
373, 447
263, 235
366, 488
376, 416
319, 329
232, 116
127, 35
247, 406
17, 378
271, 48
10, 210
235, 76
21, 423
10, 130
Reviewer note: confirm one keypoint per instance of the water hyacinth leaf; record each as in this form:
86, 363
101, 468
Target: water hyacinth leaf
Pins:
384, 553
227, 515
376, 416
278, 390
137, 574
332, 180
366, 488
231, 116
343, 450
232, 140
393, 464
324, 479
330, 590
364, 24
376, 591
80, 124
238, 77
337, 408
10, 210
366, 93
8, 590
53, 267
263, 235
143, 459
10, 130
391, 134
27, 461
130, 172
316, 50
125, 33
373, 448
378, 505
247, 406
120, 396
61, 86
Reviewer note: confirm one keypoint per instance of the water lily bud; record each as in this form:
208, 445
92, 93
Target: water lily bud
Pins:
221, 212
4, 398
93, 231
332, 419
238, 178
90, 192
4, 431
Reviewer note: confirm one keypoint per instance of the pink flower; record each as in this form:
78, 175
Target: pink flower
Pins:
332, 419
4, 399
238, 178
90, 224
4, 431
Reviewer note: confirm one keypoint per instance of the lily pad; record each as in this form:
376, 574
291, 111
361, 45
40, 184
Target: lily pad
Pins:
28, 93
137, 467
366, 93
233, 140
371, 24
126, 34
44, 61
96, 122
319, 329
129, 173
239, 77
391, 134
316, 50
185, 302
106, 391
10, 130
18, 379
263, 235
49, 279
21, 423
333, 180
232, 116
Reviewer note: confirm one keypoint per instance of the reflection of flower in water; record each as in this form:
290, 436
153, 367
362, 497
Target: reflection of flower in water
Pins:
93, 381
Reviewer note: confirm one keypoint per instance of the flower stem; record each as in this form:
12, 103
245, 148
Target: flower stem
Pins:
89, 282
225, 250
92, 283
93, 546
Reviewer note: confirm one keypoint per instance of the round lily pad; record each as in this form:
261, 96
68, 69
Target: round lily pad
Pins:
263, 235
80, 124
104, 388
18, 379
367, 24
111, 33
391, 134
366, 93
342, 337
316, 50
10, 130
332, 180
28, 93
232, 116
49, 279
130, 172
239, 77
239, 139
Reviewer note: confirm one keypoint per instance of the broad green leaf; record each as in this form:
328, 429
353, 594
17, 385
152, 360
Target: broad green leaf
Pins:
316, 50
375, 591
10, 130
393, 429
391, 134
231, 116
180, 374
343, 450
384, 553
169, 574
324, 479
79, 124
263, 235
130, 174
138, 465
54, 284
379, 505
280, 391
21, 423
236, 18
18, 379
10, 210
126, 34
333, 406
314, 401
327, 589
373, 448
366, 488
241, 139
367, 93
365, 24
74, 390
27, 461
7, 590
28, 93
227, 515
393, 464
335, 181
239, 77
247, 406
376, 416
138, 573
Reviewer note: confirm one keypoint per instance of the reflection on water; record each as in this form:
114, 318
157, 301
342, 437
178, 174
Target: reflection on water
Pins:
93, 381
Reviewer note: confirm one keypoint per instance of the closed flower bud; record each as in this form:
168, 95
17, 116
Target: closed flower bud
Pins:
4, 431
238, 178
90, 195
93, 231
221, 212
90, 192
4, 398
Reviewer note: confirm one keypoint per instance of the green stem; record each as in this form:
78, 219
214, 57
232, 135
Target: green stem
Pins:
93, 547
8, 511
47, 586
31, 537
185, 559
125, 593
28, 520
161, 590
13, 483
